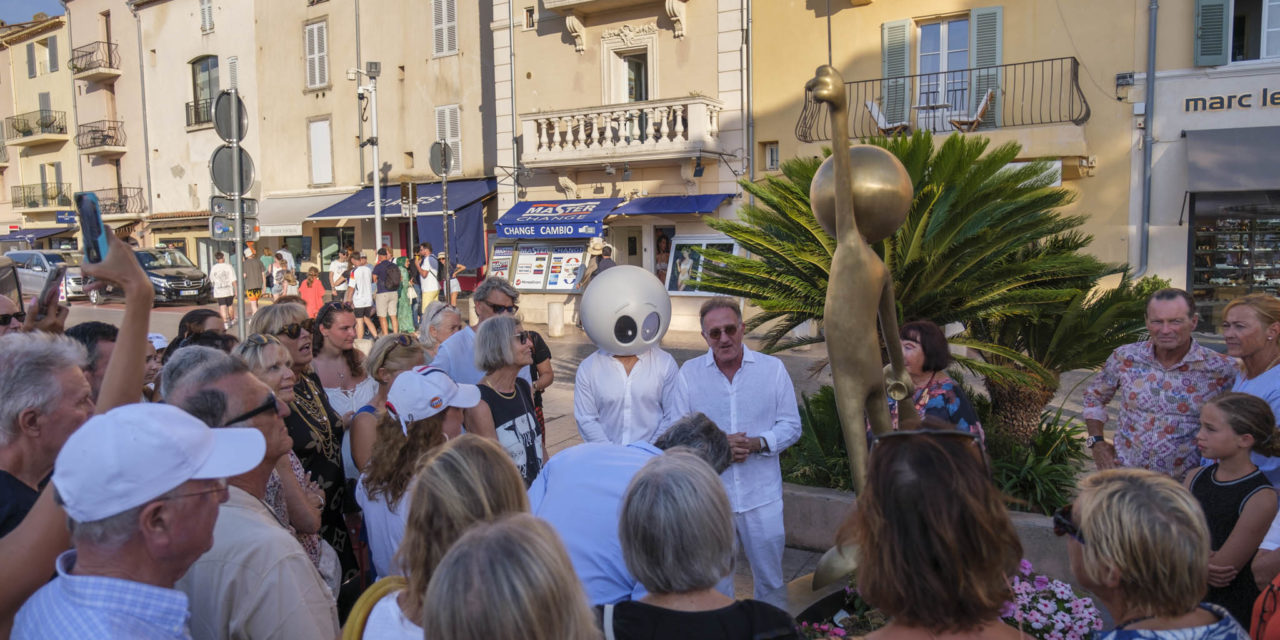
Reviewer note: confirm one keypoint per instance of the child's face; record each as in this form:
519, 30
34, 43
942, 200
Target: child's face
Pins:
1216, 438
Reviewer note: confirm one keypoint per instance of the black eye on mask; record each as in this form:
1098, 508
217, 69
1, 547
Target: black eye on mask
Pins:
625, 330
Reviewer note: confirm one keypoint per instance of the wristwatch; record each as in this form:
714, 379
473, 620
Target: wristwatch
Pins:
764, 444
1092, 440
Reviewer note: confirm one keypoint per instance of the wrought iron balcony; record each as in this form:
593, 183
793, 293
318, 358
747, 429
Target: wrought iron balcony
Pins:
52, 195
36, 128
120, 200
199, 112
96, 61
1042, 92
655, 129
101, 138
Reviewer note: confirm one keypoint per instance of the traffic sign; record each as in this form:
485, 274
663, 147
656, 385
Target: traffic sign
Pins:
222, 114
221, 171
224, 206
222, 228
441, 158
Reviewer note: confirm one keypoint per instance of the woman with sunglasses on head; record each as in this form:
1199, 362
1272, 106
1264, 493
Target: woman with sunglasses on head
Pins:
934, 561
390, 356
439, 321
1138, 541
317, 430
506, 412
291, 494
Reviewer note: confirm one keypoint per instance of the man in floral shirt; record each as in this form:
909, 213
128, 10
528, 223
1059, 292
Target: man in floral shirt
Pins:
1161, 383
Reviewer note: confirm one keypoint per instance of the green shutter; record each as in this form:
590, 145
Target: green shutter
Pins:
1211, 36
986, 34
53, 54
895, 48
31, 59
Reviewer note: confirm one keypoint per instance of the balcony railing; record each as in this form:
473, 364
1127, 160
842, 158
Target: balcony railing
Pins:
41, 196
120, 200
95, 57
35, 123
1023, 93
671, 127
103, 133
199, 112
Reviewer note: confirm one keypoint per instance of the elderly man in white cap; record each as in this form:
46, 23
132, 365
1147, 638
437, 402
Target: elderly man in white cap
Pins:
141, 486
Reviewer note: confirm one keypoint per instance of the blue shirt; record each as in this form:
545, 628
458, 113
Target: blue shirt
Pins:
579, 493
94, 607
457, 356
1266, 386
1224, 629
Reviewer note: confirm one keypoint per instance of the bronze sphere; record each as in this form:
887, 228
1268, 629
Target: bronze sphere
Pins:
882, 192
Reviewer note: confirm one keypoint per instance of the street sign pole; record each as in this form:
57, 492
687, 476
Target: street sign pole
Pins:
238, 208
446, 270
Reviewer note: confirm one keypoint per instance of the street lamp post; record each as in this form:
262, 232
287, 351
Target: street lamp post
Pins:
371, 71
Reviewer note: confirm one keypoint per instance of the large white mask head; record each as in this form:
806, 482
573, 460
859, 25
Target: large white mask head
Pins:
625, 310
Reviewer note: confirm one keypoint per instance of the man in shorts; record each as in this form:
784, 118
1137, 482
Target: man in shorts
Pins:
254, 280
362, 295
387, 297
338, 275
223, 278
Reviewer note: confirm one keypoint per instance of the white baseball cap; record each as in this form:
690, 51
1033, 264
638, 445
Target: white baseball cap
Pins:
422, 392
158, 341
134, 454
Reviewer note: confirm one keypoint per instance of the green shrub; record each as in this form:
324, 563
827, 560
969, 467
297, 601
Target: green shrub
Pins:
1041, 477
818, 458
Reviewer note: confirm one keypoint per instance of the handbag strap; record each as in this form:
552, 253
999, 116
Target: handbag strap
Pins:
608, 623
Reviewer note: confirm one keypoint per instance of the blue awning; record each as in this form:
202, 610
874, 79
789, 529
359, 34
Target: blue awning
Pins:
462, 193
466, 243
556, 218
673, 204
31, 235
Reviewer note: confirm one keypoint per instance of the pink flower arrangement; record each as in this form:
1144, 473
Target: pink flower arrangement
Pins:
1048, 609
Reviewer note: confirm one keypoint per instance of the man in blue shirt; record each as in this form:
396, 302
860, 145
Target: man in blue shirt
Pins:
387, 295
494, 296
141, 485
580, 491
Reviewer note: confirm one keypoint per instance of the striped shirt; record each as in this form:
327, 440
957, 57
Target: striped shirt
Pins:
77, 606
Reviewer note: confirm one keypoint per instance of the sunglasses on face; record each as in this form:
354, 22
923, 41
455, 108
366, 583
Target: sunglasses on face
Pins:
522, 336
267, 405
6, 318
221, 487
728, 330
497, 308
1063, 525
294, 329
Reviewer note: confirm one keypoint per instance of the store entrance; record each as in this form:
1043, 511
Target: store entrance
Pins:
1235, 250
627, 245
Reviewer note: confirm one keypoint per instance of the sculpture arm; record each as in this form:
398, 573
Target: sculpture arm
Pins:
898, 383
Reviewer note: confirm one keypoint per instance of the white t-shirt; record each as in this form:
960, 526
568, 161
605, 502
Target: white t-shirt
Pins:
385, 528
223, 278
1272, 541
336, 269
362, 282
387, 622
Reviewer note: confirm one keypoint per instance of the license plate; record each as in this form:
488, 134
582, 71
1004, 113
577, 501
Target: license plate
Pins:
190, 293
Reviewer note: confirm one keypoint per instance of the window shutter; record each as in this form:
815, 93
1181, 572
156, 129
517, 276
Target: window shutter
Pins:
206, 15
44, 100
322, 54
309, 45
438, 26
451, 25
449, 131
895, 45
31, 59
57, 178
53, 54
986, 50
321, 152
1211, 35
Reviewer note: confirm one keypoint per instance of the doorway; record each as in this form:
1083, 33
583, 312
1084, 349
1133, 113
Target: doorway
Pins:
627, 245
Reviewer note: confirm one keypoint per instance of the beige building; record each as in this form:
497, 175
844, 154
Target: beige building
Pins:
627, 123
41, 174
317, 119
111, 132
191, 51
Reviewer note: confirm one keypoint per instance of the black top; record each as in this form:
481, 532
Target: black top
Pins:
1222, 503
16, 500
541, 353
742, 620
381, 270
517, 426
605, 263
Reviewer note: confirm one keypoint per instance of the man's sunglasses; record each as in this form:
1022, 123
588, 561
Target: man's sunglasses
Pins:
6, 318
1063, 525
220, 487
728, 330
295, 329
267, 405
497, 308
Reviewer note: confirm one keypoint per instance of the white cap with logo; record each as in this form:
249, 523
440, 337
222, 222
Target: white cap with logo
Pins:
422, 392
134, 454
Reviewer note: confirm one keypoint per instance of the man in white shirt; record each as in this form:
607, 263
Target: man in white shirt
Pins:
362, 295
223, 278
338, 275
625, 399
457, 354
751, 397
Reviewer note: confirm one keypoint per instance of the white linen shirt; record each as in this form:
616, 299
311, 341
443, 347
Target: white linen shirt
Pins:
337, 269
612, 406
761, 402
362, 281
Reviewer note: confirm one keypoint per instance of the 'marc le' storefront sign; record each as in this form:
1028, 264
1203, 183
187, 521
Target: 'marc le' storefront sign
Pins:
556, 218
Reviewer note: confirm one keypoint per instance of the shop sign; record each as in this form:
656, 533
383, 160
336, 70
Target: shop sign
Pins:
565, 269
531, 267
500, 262
579, 230
1231, 101
65, 217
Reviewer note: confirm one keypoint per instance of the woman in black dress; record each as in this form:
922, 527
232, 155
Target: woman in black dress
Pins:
506, 410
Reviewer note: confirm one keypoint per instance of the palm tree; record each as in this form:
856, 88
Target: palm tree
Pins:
984, 245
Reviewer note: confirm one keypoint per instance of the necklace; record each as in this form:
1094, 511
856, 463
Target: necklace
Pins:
307, 406
504, 396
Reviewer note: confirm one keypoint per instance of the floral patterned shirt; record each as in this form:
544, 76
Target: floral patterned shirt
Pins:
1225, 629
1159, 406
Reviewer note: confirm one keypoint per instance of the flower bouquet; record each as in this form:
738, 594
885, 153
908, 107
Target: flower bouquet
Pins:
1048, 609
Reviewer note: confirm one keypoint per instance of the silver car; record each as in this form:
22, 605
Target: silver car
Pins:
33, 268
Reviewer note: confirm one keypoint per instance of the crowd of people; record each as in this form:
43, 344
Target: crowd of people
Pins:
292, 486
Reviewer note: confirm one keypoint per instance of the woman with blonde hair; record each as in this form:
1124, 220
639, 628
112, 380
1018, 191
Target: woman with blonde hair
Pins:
1139, 542
467, 480
936, 562
508, 579
422, 405
390, 356
1251, 330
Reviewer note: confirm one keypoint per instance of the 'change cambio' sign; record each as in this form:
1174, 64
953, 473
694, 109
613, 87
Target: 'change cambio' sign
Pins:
576, 219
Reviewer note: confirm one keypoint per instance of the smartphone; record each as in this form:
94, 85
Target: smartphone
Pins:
93, 232
52, 287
